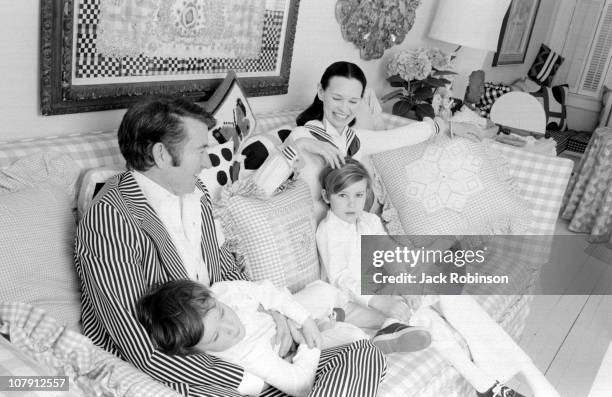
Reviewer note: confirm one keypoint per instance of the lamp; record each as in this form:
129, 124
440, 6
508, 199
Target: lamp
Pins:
469, 23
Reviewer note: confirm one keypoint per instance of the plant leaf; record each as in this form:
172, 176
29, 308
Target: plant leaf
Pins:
443, 73
396, 81
392, 95
424, 94
437, 82
424, 110
402, 108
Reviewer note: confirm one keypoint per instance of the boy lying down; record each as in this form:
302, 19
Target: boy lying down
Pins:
184, 316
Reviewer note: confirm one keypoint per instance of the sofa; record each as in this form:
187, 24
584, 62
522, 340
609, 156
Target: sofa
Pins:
41, 327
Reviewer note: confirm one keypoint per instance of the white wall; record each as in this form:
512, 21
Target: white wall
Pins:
318, 43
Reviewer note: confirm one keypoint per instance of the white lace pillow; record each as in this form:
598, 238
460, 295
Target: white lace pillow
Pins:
449, 187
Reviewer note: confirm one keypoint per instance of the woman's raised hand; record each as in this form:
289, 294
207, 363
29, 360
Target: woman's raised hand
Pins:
329, 153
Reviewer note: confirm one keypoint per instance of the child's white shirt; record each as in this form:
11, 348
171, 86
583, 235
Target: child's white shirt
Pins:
339, 246
255, 352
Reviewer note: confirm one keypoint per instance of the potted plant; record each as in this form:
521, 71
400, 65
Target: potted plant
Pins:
418, 74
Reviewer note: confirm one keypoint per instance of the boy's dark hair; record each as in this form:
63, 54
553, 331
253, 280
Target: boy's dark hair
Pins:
172, 315
155, 120
333, 180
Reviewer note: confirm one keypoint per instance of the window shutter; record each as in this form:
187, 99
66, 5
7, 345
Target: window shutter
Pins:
582, 17
600, 54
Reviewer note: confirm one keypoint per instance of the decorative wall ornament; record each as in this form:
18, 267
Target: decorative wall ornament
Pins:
375, 25
106, 54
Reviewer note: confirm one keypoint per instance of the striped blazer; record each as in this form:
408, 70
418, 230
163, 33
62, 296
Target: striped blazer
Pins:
121, 249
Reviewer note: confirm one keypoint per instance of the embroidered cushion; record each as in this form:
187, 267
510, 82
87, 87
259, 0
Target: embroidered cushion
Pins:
276, 235
605, 115
229, 105
491, 92
545, 66
450, 186
553, 101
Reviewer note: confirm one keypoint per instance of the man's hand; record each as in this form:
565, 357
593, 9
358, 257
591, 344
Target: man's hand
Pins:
312, 335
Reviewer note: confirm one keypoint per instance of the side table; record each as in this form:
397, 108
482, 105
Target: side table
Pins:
587, 203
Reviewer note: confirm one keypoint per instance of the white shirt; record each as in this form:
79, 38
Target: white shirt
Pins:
182, 218
255, 352
339, 245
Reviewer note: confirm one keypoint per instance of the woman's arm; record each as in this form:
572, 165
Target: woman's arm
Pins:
380, 141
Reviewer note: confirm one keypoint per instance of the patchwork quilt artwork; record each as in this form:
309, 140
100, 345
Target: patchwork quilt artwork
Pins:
127, 38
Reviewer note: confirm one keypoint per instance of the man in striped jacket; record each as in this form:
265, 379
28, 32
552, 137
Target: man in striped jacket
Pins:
154, 223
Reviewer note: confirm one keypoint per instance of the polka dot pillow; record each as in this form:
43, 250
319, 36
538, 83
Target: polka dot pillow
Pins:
222, 172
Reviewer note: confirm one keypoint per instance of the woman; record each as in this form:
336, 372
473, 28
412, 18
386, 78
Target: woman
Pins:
325, 135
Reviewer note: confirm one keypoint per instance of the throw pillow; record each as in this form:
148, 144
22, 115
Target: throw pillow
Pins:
449, 187
235, 119
525, 85
93, 180
545, 66
220, 174
276, 235
553, 101
37, 252
605, 115
491, 92
256, 149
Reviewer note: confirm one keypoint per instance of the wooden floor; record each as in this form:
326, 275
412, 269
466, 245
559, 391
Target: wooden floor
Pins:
569, 336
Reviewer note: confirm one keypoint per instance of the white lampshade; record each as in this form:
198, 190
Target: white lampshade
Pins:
469, 23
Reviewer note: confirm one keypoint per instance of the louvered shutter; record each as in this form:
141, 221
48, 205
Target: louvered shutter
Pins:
598, 61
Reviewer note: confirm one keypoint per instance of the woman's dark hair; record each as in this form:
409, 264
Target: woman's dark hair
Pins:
172, 315
342, 69
156, 120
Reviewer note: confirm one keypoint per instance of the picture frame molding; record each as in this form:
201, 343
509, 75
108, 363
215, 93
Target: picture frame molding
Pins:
59, 96
500, 59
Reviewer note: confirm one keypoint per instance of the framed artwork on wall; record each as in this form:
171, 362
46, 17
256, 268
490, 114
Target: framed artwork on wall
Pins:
102, 54
516, 32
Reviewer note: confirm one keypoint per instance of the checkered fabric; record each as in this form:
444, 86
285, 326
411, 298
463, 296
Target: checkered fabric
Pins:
276, 236
545, 66
36, 336
90, 64
491, 92
423, 374
579, 142
560, 137
89, 150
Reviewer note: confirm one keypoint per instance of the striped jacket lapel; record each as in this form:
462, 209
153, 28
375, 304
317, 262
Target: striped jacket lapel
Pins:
137, 205
209, 242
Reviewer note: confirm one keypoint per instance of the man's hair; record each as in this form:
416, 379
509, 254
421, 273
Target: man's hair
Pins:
172, 315
334, 180
156, 120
